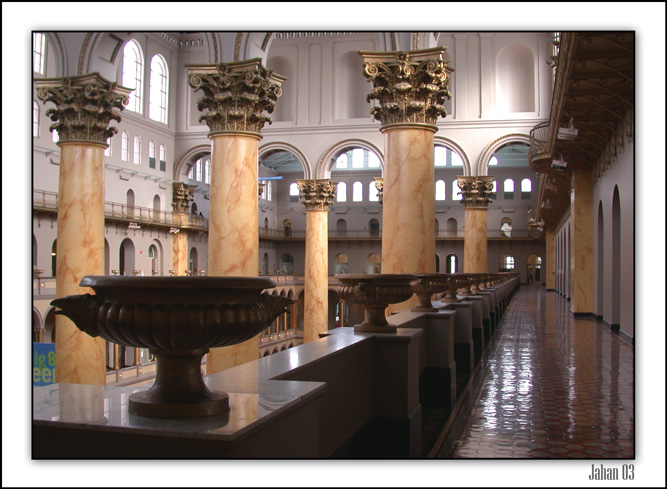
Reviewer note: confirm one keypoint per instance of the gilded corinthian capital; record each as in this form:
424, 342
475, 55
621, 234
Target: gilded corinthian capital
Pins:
236, 94
476, 191
85, 105
317, 195
410, 86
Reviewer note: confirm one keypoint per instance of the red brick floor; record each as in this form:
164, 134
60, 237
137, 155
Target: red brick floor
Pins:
550, 386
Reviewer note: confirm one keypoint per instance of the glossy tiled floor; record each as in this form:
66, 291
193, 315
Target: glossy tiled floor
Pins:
550, 386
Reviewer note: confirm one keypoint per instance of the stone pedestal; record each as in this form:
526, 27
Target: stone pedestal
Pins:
84, 107
410, 88
464, 350
237, 95
317, 196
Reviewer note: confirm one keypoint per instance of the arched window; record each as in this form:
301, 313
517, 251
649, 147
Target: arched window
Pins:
35, 119
374, 227
494, 189
55, 136
526, 188
130, 203
357, 191
133, 62
505, 227
151, 154
194, 261
451, 264
39, 53
163, 158
373, 160
341, 228
294, 192
341, 161
137, 151
440, 190
158, 92
373, 193
444, 156
452, 227
456, 195
152, 254
341, 263
373, 263
493, 161
287, 263
124, 146
107, 152
508, 188
341, 192
506, 263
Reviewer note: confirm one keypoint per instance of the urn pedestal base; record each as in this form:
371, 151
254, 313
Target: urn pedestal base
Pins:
179, 390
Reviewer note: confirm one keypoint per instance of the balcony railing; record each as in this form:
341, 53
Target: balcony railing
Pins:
539, 142
45, 200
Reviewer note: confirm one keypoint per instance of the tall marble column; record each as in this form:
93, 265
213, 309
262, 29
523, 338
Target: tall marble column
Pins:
411, 88
236, 96
581, 261
317, 196
85, 105
550, 262
476, 192
182, 197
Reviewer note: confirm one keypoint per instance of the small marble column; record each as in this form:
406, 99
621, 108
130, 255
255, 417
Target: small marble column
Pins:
581, 262
84, 107
411, 88
317, 196
236, 95
476, 193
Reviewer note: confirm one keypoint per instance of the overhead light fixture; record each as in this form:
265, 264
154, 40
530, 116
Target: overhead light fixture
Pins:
568, 133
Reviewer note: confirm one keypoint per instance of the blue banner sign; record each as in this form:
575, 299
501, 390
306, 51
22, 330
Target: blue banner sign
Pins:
43, 363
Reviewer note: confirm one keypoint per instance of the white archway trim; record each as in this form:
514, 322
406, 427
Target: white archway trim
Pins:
187, 157
280, 146
328, 159
489, 151
448, 143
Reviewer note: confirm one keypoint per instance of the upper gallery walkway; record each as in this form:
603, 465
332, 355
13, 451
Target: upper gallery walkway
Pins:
551, 385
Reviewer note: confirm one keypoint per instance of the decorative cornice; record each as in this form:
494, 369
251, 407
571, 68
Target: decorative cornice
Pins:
84, 106
236, 94
183, 194
410, 86
476, 191
317, 195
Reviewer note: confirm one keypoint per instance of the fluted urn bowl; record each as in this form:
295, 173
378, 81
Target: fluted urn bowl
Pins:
425, 286
179, 319
457, 282
375, 291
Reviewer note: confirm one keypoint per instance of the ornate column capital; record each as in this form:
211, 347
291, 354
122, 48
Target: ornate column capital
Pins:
182, 196
410, 86
379, 184
236, 94
317, 195
84, 106
476, 191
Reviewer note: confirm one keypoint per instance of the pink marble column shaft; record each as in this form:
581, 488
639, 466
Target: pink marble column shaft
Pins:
179, 260
316, 287
581, 270
80, 358
474, 241
233, 236
550, 262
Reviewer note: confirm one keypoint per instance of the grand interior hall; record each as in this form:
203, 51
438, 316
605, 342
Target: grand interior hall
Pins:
423, 248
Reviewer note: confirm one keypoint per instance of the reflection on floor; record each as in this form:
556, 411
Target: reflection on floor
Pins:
551, 385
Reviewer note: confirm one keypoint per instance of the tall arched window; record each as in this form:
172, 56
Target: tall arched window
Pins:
35, 119
526, 188
341, 263
153, 256
158, 92
130, 203
294, 192
163, 158
341, 192
151, 154
373, 263
374, 227
341, 161
194, 261
39, 53
124, 146
137, 151
357, 191
451, 264
373, 193
506, 263
456, 195
440, 190
133, 62
508, 188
